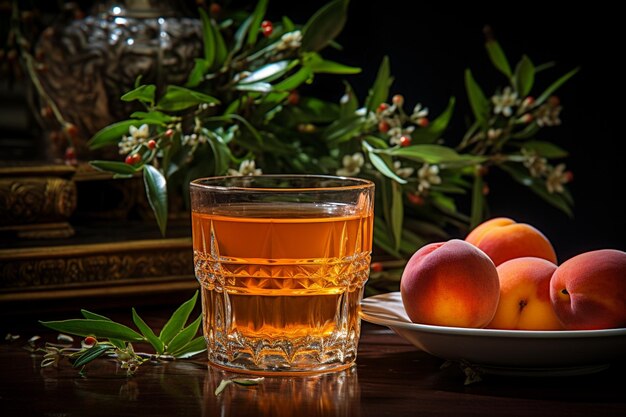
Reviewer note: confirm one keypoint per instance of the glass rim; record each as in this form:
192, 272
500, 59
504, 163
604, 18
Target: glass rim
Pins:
352, 183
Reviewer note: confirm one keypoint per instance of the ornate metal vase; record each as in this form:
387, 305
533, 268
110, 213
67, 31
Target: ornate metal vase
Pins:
91, 62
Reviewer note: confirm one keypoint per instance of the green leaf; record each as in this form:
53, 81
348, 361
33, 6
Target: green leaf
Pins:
434, 130
255, 24
381, 238
498, 58
294, 81
92, 353
381, 163
222, 386
431, 154
343, 129
196, 76
260, 87
324, 25
268, 72
477, 99
380, 90
555, 86
96, 328
477, 201
156, 190
349, 102
184, 336
240, 36
114, 166
192, 348
113, 132
153, 115
208, 39
177, 321
524, 76
145, 330
397, 214
93, 316
179, 98
288, 25
545, 149
221, 52
319, 65
144, 93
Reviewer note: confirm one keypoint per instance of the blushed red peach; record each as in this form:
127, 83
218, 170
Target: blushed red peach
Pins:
502, 239
450, 283
525, 296
588, 291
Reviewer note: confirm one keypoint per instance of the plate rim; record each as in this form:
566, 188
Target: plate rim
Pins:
394, 297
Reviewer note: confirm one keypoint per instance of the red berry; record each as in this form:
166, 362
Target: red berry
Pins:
383, 127
377, 267
527, 118
398, 100
554, 101
267, 28
215, 9
293, 98
405, 140
485, 189
152, 144
423, 122
133, 159
71, 130
169, 133
528, 101
90, 340
415, 199
70, 153
569, 176
382, 107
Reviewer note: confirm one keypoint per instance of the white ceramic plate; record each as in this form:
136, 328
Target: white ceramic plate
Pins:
518, 352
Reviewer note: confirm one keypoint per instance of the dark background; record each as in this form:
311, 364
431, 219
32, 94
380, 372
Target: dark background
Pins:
430, 45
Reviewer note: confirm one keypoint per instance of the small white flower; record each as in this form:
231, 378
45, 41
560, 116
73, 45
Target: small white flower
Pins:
503, 103
427, 175
396, 133
137, 137
247, 167
494, 134
351, 165
547, 115
556, 178
535, 164
419, 112
290, 40
403, 172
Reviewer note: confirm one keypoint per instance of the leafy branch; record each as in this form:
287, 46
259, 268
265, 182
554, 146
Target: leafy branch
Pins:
103, 336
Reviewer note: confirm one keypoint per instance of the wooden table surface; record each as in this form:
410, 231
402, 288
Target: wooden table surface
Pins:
391, 378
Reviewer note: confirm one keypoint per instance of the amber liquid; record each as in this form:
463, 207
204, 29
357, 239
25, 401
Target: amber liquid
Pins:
282, 283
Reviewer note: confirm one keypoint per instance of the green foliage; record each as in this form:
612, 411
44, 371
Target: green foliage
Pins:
244, 101
176, 339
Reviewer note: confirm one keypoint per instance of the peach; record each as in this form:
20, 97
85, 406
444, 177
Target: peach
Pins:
450, 283
588, 291
502, 239
525, 296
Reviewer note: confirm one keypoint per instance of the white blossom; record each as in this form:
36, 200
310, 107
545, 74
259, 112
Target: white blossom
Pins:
503, 103
136, 136
247, 167
427, 175
556, 178
535, 164
290, 40
403, 172
351, 165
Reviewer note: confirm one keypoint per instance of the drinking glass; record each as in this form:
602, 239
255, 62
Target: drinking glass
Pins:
282, 261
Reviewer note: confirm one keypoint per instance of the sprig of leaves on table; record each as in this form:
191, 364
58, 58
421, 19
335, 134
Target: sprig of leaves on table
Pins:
243, 109
176, 340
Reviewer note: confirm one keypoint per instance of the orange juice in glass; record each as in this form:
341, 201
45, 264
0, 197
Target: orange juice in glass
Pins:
282, 261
